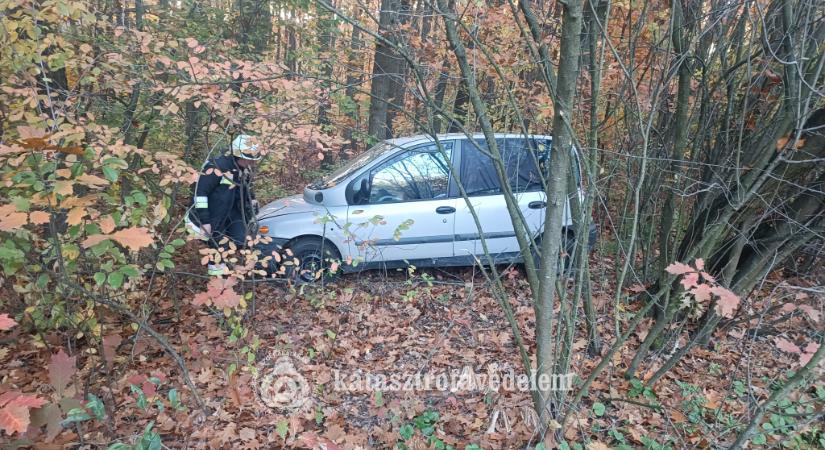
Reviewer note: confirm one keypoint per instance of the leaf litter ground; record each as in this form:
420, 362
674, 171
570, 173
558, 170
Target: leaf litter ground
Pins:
395, 324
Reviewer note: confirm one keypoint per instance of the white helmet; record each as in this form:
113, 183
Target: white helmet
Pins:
242, 148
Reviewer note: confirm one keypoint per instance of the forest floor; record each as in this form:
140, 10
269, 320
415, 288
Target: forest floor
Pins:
400, 324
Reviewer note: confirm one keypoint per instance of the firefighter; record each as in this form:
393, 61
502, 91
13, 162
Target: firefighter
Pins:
224, 203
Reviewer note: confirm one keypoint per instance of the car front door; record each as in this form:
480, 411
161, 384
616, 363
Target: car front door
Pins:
401, 209
480, 181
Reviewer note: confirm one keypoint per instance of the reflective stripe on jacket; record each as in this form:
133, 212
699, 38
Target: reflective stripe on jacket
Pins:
223, 189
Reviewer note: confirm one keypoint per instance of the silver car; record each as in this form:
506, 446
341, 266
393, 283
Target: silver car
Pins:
399, 203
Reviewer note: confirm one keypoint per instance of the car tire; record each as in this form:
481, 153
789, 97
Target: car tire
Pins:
315, 256
569, 243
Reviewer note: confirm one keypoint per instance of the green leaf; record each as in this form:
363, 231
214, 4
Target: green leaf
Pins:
22, 204
8, 253
100, 278
174, 398
116, 280
96, 406
139, 197
76, 415
110, 174
379, 399
406, 431
759, 439
598, 409
118, 446
130, 271
281, 428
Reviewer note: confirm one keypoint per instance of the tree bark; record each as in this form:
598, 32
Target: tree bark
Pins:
386, 65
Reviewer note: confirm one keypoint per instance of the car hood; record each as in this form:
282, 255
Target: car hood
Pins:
294, 204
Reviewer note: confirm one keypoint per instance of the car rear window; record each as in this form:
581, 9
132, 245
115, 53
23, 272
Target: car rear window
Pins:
478, 174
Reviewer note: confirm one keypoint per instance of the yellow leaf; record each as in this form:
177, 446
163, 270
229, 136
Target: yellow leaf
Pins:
76, 215
72, 202
92, 180
135, 238
39, 217
107, 224
63, 187
12, 221
94, 240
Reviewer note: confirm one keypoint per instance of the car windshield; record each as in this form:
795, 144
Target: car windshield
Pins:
350, 166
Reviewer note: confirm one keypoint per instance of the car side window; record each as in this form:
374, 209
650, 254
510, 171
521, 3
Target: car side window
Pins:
420, 174
478, 174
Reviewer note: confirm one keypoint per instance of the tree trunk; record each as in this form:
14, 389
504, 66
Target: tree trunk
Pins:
386, 65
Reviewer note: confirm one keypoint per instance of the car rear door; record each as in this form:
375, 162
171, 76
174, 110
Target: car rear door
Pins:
402, 209
481, 183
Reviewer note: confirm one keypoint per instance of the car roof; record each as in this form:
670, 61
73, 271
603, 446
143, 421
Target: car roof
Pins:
400, 141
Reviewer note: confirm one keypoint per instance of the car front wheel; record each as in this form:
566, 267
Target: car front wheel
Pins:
316, 260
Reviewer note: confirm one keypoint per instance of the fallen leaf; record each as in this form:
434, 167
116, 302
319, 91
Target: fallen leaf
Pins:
61, 369
14, 411
14, 418
246, 434
811, 312
110, 345
597, 445
50, 416
808, 353
6, 322
786, 345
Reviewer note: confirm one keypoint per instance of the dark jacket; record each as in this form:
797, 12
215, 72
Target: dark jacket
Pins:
223, 193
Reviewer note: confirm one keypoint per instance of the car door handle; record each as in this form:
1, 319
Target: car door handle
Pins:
445, 210
536, 204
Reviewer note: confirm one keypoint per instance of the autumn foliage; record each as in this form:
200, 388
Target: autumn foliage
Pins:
699, 153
